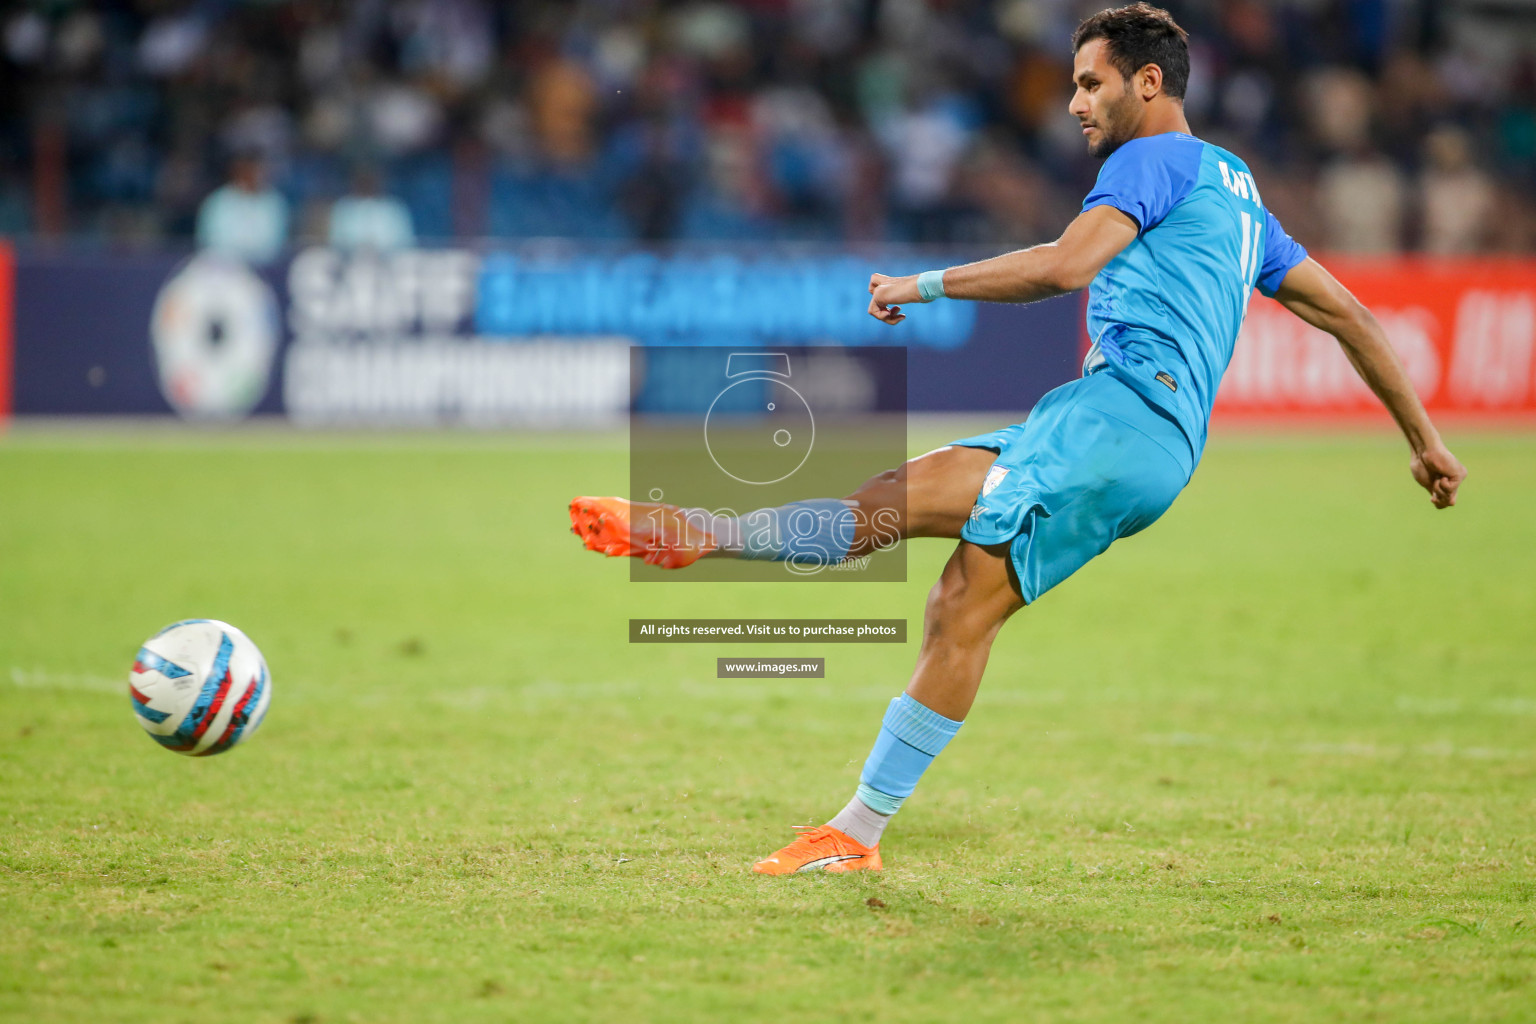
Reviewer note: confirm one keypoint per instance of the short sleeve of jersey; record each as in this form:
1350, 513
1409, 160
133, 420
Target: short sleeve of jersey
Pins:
1146, 178
1281, 253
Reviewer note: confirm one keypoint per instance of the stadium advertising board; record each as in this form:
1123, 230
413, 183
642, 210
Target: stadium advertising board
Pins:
540, 335
1466, 331
537, 335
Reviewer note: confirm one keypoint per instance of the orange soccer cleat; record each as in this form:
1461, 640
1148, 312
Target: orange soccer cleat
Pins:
820, 849
658, 534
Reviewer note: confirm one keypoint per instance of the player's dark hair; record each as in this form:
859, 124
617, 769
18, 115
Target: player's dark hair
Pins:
1137, 35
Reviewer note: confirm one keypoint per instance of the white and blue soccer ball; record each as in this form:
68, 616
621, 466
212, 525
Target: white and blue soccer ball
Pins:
199, 687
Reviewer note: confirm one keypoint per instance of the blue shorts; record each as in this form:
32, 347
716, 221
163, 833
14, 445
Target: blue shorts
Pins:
1094, 462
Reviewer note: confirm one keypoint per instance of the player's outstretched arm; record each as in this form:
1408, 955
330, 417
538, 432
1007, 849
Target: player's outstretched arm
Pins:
1317, 297
1094, 238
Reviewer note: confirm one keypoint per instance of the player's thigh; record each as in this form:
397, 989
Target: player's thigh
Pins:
929, 496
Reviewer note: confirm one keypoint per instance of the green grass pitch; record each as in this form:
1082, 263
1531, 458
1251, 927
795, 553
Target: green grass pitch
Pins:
1272, 760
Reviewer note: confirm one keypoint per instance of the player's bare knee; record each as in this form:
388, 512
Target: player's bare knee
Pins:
879, 512
881, 490
886, 477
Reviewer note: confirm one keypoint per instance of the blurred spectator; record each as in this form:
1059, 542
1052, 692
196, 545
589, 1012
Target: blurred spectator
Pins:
247, 218
1514, 229
562, 105
369, 219
925, 145
1457, 198
1362, 198
1340, 102
1017, 203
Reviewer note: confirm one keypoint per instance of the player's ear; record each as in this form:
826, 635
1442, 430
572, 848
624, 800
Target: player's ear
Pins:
1149, 80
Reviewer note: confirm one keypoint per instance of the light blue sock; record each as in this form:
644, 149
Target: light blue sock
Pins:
815, 532
911, 736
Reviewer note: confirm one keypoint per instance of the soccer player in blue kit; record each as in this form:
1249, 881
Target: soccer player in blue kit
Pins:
1171, 243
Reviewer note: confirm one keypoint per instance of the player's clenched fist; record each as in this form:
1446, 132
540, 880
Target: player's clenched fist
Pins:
1440, 473
887, 294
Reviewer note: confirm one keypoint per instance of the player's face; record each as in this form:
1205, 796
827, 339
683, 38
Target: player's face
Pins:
1108, 110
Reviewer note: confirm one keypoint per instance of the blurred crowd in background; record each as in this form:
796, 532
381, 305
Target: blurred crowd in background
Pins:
1373, 126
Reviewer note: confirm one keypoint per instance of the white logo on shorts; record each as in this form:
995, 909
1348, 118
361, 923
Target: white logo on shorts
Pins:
977, 511
994, 477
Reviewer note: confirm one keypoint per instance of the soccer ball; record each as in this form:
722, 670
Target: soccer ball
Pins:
199, 687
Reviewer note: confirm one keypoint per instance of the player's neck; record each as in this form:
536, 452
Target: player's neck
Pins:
1163, 116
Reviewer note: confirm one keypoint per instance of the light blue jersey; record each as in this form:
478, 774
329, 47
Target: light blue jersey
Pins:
1163, 315
1103, 457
